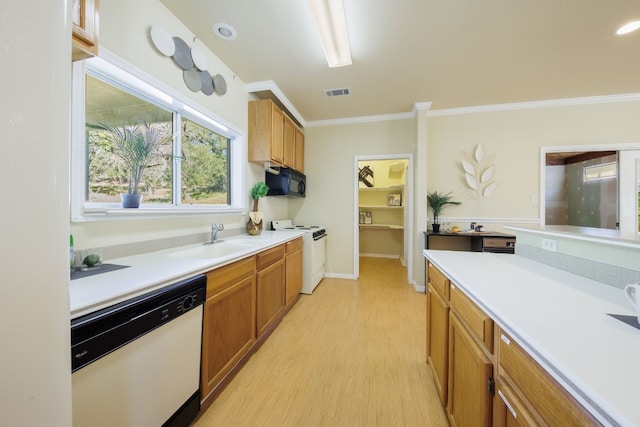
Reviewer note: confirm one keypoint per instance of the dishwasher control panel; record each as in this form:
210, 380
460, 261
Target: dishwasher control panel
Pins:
97, 334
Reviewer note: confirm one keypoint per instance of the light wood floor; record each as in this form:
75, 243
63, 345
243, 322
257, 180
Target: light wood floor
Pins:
351, 354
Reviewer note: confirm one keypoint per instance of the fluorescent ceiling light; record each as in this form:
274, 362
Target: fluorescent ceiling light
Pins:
628, 28
331, 22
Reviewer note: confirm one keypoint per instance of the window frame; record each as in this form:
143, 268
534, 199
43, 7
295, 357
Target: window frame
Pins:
587, 179
126, 77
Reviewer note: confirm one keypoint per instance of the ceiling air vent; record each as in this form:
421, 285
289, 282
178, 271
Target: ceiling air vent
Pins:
337, 92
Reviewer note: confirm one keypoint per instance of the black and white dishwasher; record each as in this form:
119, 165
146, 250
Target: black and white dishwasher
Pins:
137, 363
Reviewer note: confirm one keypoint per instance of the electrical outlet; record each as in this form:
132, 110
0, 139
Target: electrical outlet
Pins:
549, 245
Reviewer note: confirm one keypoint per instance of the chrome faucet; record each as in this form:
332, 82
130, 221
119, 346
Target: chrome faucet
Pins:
214, 232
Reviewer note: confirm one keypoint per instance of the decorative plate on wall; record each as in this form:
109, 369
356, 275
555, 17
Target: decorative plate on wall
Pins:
182, 55
192, 61
192, 79
219, 84
162, 40
206, 82
199, 60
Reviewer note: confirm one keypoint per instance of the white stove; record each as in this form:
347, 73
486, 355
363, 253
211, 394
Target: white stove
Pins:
313, 251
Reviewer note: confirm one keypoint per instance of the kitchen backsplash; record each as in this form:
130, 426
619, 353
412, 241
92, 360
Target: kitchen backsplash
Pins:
136, 248
601, 272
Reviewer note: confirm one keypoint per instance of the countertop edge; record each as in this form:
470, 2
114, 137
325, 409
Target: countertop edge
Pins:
139, 267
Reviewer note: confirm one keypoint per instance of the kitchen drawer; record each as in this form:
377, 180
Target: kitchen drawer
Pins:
439, 281
553, 404
221, 278
293, 245
478, 322
270, 256
510, 410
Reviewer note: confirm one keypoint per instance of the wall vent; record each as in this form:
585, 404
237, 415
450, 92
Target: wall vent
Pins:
337, 92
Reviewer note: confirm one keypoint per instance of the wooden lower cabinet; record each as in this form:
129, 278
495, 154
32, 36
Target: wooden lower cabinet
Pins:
509, 411
488, 378
293, 270
229, 321
469, 400
542, 394
270, 286
438, 340
245, 300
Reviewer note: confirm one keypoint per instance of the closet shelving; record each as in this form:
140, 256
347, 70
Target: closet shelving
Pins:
384, 214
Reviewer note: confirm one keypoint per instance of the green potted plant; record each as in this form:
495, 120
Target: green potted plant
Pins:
437, 201
138, 147
254, 226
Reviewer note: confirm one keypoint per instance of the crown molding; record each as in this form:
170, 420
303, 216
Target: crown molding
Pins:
588, 100
271, 86
420, 106
361, 119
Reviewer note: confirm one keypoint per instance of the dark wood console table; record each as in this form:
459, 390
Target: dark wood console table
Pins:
484, 241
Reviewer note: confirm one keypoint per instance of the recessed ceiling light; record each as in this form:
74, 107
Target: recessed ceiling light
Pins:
225, 31
628, 28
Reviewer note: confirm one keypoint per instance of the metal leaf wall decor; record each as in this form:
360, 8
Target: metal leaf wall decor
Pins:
479, 171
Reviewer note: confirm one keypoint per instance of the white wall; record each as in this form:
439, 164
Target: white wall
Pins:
329, 157
124, 31
514, 138
35, 64
511, 138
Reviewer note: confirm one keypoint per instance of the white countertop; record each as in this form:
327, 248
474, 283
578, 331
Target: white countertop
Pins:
561, 319
153, 270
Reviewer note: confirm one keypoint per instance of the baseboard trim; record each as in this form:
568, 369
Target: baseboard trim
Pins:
368, 255
421, 289
338, 276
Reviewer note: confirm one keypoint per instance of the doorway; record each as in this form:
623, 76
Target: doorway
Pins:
383, 208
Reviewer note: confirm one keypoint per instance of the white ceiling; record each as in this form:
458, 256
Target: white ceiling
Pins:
453, 53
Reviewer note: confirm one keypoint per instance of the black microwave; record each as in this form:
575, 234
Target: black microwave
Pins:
288, 182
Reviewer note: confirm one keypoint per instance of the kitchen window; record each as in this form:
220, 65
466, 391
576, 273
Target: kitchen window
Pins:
196, 169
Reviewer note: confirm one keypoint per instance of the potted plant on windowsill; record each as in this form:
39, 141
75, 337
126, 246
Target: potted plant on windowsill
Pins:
138, 147
254, 226
437, 201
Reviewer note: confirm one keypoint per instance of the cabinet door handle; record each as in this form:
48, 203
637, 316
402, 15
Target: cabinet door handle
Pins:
507, 404
504, 338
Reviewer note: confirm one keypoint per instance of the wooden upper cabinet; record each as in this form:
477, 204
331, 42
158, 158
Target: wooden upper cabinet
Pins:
289, 142
266, 132
84, 19
299, 150
273, 136
277, 134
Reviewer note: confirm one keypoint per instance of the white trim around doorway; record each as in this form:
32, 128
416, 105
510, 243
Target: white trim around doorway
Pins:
408, 212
